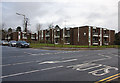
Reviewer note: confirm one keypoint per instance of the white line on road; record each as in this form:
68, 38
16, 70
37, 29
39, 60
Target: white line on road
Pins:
106, 57
50, 62
32, 54
28, 72
50, 53
20, 63
51, 68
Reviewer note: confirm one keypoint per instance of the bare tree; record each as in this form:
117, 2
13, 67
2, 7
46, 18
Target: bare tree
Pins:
4, 31
38, 27
3, 26
50, 26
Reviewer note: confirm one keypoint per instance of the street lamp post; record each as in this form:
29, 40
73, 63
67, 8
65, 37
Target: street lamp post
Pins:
24, 20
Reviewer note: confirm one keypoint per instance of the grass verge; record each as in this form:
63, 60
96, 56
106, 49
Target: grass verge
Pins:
40, 45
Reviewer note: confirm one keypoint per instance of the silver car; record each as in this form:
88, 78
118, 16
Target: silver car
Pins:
12, 43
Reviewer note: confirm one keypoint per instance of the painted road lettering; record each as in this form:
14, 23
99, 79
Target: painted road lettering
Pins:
88, 66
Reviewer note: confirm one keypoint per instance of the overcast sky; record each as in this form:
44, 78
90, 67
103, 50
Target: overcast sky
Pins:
101, 13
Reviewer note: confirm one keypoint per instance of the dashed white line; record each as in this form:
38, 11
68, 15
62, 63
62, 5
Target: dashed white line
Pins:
19, 63
28, 72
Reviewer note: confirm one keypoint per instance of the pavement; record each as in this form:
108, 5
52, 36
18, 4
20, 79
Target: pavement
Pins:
69, 49
28, 64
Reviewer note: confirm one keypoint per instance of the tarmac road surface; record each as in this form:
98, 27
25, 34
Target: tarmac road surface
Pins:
28, 64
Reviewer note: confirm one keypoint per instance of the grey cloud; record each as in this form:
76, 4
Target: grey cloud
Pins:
46, 12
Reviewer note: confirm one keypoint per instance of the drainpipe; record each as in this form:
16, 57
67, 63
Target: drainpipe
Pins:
78, 34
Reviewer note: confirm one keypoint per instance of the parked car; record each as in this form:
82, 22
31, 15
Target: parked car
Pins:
22, 44
4, 43
12, 43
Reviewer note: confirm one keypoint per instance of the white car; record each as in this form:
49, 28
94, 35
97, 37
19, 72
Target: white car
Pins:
4, 43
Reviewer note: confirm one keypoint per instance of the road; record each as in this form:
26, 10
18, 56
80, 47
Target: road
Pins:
28, 64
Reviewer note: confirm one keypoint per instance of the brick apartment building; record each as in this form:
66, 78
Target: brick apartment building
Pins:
85, 35
21, 36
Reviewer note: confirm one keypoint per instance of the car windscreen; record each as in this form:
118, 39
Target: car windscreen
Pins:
5, 41
13, 41
23, 42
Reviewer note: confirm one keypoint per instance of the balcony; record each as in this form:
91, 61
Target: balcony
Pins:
106, 35
57, 36
32, 37
105, 42
47, 35
58, 30
67, 42
67, 35
24, 37
95, 34
95, 42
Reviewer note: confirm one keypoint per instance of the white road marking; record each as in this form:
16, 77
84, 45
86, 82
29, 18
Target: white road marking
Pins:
19, 74
22, 73
51, 68
50, 62
87, 66
28, 53
32, 54
106, 70
49, 53
20, 63
75, 56
96, 60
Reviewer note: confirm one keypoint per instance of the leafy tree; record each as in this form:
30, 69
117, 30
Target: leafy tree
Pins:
9, 30
18, 28
117, 38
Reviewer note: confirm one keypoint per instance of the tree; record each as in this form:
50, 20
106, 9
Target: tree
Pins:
4, 31
9, 30
117, 38
38, 27
50, 26
18, 28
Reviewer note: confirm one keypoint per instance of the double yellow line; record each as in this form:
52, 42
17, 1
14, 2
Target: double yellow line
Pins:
108, 79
